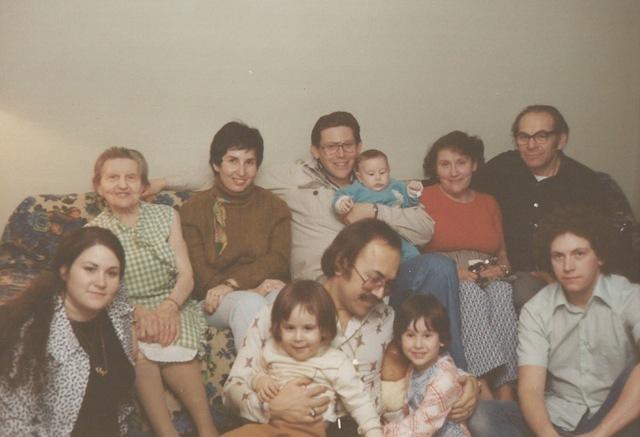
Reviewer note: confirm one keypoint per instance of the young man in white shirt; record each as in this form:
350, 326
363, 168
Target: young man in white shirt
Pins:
579, 337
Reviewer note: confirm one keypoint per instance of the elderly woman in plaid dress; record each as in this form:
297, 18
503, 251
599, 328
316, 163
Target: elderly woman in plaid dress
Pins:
159, 281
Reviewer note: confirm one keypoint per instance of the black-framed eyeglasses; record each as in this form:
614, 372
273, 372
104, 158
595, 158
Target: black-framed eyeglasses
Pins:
540, 137
374, 283
332, 148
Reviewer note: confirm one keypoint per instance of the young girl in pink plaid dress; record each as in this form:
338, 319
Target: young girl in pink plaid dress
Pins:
430, 388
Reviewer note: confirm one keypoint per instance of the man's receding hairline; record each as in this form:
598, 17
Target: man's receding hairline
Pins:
379, 240
541, 111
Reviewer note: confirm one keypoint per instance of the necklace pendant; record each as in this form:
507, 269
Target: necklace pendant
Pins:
355, 362
101, 371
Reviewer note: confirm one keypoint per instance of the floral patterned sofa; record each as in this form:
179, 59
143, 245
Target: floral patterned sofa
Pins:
30, 238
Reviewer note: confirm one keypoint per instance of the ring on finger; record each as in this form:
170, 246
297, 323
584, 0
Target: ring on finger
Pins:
312, 412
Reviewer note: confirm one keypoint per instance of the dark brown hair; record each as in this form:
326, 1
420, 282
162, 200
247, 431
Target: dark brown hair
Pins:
343, 251
370, 154
236, 136
580, 220
313, 298
421, 306
460, 142
335, 119
25, 317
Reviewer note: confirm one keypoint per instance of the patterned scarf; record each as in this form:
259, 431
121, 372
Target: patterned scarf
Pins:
220, 217
223, 198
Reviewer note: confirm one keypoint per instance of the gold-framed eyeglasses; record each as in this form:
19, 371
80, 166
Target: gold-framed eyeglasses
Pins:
373, 283
348, 147
541, 137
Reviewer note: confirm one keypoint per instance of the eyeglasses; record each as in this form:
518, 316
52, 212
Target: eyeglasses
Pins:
541, 137
374, 283
347, 147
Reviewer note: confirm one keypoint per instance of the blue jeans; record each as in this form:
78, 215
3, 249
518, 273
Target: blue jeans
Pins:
436, 274
503, 418
497, 419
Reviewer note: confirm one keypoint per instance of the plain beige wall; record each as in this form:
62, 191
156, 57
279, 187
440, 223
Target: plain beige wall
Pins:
163, 76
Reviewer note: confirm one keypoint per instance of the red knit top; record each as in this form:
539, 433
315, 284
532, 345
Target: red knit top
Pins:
476, 225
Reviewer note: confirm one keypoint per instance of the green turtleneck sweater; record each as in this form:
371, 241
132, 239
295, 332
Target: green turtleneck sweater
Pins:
258, 228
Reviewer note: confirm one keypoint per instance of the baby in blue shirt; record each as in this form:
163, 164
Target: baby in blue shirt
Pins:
375, 185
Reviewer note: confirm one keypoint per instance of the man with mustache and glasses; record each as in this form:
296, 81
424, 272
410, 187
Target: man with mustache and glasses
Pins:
357, 267
538, 177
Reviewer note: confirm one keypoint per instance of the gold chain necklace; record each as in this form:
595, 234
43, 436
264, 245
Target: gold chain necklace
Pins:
102, 371
88, 341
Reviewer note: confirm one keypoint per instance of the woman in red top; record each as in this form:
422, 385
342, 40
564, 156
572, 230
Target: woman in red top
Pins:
469, 229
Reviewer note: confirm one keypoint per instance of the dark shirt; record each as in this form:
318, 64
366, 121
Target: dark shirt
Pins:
525, 200
98, 416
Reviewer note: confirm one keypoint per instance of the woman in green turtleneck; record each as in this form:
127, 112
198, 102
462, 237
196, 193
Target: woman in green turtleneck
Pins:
238, 234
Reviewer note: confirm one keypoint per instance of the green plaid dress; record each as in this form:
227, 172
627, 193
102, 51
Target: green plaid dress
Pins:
150, 273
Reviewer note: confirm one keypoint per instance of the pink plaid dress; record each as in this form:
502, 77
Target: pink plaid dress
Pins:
429, 399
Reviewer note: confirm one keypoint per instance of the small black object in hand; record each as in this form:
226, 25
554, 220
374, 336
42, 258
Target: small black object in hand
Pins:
479, 267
